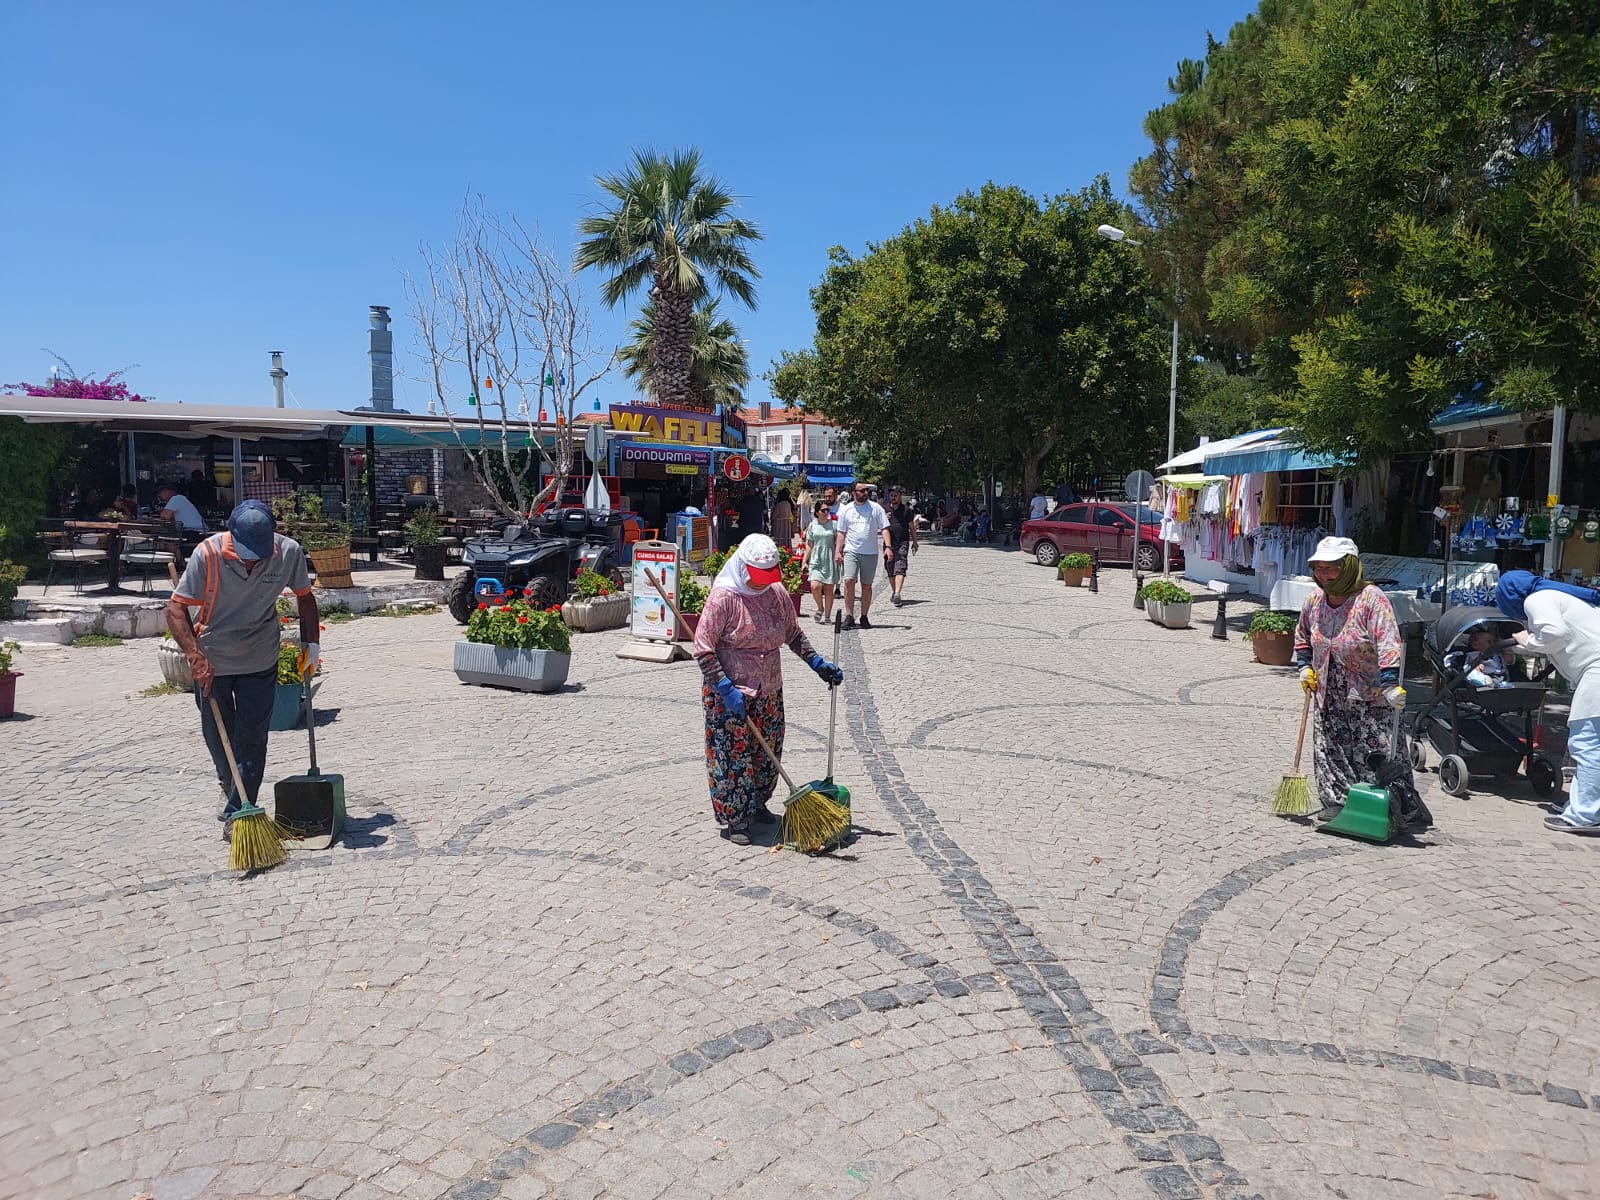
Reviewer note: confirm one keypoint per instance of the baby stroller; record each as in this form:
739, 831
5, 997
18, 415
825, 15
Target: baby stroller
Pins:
1478, 730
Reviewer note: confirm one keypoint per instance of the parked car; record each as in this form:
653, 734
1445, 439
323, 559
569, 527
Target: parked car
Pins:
1098, 527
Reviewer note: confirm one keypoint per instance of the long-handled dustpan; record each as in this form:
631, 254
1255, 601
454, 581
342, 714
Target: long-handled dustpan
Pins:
1380, 809
310, 806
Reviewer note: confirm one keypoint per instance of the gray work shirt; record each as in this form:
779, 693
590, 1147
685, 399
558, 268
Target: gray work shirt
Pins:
236, 614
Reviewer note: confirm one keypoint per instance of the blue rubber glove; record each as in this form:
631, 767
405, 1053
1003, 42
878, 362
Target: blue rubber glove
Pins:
732, 697
831, 675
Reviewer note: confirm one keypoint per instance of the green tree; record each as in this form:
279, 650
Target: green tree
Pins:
671, 228
1378, 207
990, 335
719, 369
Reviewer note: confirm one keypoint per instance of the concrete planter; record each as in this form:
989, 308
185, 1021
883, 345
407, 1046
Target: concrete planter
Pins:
691, 622
603, 612
174, 666
1170, 616
498, 666
1073, 576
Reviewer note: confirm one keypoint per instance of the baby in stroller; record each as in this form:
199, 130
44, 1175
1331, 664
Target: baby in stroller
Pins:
1483, 662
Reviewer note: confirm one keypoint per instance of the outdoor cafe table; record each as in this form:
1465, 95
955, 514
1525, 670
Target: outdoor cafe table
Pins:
114, 533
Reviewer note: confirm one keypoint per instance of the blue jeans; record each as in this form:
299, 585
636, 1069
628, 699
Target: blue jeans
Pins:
245, 702
1583, 743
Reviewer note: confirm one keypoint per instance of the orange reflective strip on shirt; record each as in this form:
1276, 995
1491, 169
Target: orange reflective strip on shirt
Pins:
208, 603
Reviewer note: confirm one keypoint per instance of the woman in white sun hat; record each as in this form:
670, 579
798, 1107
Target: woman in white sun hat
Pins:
747, 619
1347, 646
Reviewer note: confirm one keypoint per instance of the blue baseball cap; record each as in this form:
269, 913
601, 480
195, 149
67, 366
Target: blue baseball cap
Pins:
252, 525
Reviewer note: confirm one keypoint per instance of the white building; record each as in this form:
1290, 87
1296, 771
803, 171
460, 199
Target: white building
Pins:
791, 437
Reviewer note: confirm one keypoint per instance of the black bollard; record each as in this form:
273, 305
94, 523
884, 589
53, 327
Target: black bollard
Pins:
1138, 586
1094, 571
1219, 628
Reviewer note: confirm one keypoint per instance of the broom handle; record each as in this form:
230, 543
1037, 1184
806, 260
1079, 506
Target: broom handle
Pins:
311, 722
662, 592
227, 748
751, 725
1299, 742
833, 692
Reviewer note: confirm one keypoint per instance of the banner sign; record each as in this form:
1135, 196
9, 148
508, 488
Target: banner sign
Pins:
733, 429
826, 473
652, 618
667, 455
736, 467
667, 424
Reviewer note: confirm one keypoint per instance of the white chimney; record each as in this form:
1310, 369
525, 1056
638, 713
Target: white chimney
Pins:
278, 376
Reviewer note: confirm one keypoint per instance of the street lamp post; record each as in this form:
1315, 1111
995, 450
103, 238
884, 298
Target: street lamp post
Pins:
1112, 234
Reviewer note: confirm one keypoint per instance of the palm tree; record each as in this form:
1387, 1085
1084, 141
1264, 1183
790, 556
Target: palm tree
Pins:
675, 229
719, 364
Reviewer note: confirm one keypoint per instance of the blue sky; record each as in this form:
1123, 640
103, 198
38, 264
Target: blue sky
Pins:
188, 186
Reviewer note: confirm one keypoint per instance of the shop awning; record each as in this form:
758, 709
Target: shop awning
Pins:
391, 437
1197, 456
1192, 481
1471, 413
1276, 454
824, 474
764, 464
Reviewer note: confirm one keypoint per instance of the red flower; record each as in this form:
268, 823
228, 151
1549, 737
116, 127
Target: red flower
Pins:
481, 608
522, 620
527, 592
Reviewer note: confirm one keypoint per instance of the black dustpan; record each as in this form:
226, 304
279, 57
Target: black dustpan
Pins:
310, 806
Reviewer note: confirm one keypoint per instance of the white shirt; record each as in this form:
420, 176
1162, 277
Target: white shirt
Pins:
1039, 508
184, 514
1567, 631
862, 525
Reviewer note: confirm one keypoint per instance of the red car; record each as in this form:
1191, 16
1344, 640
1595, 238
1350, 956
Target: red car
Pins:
1097, 526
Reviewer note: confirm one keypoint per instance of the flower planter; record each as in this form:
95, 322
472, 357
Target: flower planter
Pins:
174, 666
524, 670
1273, 649
8, 693
428, 561
795, 598
1173, 615
288, 707
332, 567
691, 622
1073, 576
602, 612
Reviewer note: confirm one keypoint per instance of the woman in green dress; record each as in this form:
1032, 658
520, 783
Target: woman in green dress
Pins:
820, 565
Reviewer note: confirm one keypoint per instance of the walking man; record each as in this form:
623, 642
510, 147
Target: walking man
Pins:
902, 543
863, 535
231, 584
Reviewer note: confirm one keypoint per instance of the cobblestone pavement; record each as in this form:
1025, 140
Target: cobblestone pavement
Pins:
1071, 953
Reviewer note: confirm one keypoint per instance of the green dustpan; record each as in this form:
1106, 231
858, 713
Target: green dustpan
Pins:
1370, 813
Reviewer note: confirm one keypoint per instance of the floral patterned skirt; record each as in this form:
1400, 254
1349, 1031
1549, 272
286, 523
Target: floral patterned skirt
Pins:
1345, 733
740, 774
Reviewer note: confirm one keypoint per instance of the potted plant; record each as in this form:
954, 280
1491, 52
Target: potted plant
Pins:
597, 602
714, 562
174, 663
1272, 636
326, 543
427, 550
288, 705
11, 576
515, 645
1072, 568
692, 595
1166, 603
8, 677
793, 567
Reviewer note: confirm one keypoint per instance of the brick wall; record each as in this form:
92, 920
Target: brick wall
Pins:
393, 467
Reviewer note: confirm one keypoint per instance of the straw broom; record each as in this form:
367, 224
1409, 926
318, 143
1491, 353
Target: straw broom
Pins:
1293, 797
255, 840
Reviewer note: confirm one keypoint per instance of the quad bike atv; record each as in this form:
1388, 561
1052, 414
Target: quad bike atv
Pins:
540, 558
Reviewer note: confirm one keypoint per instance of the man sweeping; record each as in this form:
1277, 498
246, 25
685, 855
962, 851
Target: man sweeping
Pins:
232, 583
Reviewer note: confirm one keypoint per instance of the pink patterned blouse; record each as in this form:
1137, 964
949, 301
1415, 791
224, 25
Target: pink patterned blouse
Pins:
740, 636
1361, 634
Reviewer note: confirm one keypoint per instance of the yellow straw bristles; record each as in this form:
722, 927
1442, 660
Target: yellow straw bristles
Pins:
811, 820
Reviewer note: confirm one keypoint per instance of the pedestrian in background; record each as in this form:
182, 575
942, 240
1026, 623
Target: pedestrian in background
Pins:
902, 543
820, 564
863, 535
783, 519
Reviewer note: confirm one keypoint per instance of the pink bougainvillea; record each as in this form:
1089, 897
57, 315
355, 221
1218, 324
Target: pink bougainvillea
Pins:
64, 387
